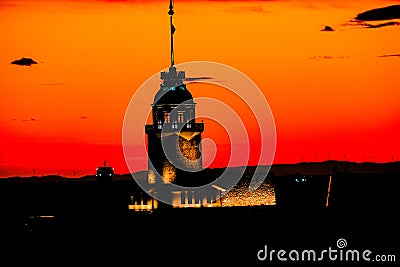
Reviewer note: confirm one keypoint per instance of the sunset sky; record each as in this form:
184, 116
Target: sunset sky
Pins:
334, 94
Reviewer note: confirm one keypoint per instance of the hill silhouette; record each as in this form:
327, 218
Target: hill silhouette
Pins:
306, 168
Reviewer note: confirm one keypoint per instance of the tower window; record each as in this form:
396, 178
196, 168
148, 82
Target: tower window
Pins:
167, 117
181, 117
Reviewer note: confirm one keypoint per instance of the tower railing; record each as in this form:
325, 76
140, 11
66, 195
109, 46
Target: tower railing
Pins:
183, 126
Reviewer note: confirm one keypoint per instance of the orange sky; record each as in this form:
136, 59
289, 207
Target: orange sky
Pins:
332, 95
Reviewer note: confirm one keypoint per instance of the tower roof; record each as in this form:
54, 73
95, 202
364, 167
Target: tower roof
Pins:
172, 90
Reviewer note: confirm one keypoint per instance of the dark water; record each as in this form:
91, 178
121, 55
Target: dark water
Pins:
75, 223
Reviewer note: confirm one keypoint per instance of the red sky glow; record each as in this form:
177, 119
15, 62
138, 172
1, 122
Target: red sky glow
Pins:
333, 94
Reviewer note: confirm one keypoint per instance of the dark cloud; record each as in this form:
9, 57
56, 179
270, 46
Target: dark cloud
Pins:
387, 14
383, 13
24, 62
390, 55
327, 28
363, 24
194, 79
83, 117
32, 119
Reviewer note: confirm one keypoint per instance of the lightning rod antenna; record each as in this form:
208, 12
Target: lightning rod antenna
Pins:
171, 13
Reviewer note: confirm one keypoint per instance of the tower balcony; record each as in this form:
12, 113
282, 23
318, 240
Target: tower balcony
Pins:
172, 127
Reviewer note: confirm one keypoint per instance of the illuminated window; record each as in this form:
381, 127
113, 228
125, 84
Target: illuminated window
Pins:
181, 117
167, 117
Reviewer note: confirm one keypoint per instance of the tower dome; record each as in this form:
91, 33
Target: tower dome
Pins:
173, 95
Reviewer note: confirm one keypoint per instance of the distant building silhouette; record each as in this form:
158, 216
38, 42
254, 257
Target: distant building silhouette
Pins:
104, 174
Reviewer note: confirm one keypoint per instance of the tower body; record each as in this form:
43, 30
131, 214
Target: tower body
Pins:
174, 137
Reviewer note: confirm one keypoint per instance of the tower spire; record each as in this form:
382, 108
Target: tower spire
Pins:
171, 13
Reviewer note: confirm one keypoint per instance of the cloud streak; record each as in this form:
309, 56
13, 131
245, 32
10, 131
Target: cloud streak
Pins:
32, 119
390, 55
327, 57
195, 79
390, 23
52, 84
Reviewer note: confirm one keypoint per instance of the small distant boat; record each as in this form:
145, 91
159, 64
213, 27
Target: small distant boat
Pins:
104, 173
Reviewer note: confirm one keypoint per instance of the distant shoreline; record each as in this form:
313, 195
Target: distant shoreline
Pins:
304, 168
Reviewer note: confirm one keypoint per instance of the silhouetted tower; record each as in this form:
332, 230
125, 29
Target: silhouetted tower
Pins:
174, 137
